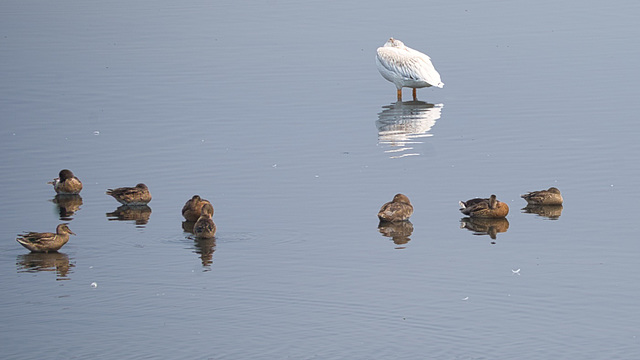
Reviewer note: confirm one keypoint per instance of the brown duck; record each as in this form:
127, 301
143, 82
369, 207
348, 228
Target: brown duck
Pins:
138, 195
205, 228
484, 208
550, 196
192, 208
66, 183
45, 242
398, 209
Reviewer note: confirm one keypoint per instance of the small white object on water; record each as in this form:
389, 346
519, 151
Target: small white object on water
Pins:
94, 285
465, 299
516, 271
96, 132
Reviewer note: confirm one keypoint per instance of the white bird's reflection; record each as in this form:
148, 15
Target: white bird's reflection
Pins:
403, 124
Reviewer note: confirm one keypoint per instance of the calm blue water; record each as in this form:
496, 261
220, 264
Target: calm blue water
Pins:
275, 112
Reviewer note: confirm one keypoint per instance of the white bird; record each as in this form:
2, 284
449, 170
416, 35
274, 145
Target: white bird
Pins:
406, 67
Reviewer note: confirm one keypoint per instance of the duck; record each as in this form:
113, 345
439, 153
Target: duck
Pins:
484, 208
66, 183
192, 208
550, 196
205, 228
45, 242
132, 196
398, 209
406, 67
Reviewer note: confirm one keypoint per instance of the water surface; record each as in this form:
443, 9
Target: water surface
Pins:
275, 112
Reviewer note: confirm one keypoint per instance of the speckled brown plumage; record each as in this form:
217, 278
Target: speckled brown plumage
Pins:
550, 196
66, 183
485, 208
398, 209
192, 208
138, 195
45, 242
205, 228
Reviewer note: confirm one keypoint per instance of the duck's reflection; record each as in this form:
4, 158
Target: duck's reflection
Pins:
53, 261
484, 226
138, 213
399, 232
67, 205
402, 124
187, 226
552, 212
203, 247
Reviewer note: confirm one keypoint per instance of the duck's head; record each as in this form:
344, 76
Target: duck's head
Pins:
64, 229
493, 201
65, 174
142, 186
554, 190
401, 198
207, 209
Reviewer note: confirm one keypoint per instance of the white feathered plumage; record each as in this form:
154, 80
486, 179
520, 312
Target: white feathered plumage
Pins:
406, 67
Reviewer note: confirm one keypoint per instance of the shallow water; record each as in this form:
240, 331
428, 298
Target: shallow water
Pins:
276, 113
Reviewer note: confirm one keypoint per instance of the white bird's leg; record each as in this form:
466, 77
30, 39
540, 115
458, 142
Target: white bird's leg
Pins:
400, 94
415, 96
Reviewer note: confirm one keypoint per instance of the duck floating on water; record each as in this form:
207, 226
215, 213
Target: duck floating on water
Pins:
205, 228
193, 207
66, 183
484, 208
551, 196
132, 196
398, 209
